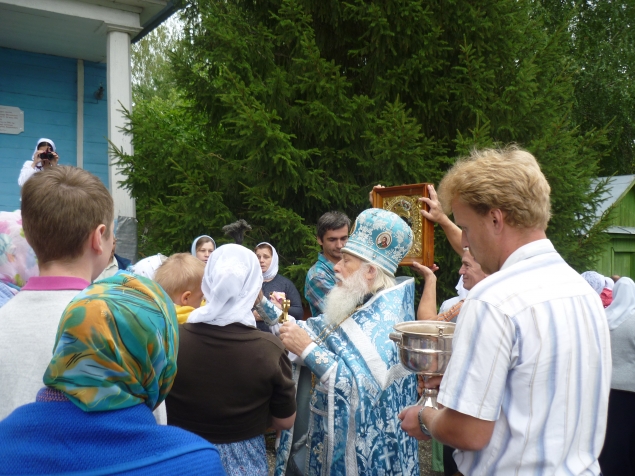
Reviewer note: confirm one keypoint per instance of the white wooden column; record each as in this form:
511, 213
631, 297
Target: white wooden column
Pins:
80, 114
119, 93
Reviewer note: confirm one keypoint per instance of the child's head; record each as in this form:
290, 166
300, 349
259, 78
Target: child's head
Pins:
67, 212
181, 276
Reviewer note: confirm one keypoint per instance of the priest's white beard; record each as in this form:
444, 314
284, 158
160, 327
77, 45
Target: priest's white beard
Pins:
342, 300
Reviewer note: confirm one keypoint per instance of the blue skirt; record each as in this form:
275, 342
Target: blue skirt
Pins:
244, 458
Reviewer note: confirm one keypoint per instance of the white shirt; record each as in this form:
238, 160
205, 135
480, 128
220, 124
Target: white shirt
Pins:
110, 270
26, 172
531, 351
28, 327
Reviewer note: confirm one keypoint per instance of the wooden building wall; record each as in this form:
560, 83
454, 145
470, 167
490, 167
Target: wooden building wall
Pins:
45, 88
619, 255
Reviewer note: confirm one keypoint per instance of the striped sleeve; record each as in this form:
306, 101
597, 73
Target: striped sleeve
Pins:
316, 287
474, 382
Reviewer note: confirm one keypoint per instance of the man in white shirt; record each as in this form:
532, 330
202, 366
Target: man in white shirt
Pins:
526, 390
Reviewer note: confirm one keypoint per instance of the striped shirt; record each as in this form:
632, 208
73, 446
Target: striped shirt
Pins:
531, 352
319, 281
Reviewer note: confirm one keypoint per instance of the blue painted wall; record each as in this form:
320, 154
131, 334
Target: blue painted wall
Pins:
45, 88
95, 121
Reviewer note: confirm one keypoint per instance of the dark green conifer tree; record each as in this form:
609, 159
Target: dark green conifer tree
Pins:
290, 108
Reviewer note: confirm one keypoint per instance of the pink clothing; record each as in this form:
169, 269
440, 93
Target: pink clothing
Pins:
55, 283
607, 297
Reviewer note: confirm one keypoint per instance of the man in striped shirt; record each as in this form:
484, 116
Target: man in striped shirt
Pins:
332, 234
526, 390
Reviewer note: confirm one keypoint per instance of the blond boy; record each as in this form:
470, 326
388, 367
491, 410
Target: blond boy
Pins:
181, 277
67, 216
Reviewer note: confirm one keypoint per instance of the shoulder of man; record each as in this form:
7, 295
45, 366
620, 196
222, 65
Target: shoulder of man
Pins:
536, 279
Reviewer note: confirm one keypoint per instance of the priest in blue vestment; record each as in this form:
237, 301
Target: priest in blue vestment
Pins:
358, 385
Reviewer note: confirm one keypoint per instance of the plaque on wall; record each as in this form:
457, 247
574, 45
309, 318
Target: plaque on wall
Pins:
11, 120
404, 201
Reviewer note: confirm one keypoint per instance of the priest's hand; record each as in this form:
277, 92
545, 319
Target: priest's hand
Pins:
410, 422
294, 337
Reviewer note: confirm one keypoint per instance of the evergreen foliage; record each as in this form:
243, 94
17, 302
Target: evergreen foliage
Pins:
601, 37
151, 70
286, 109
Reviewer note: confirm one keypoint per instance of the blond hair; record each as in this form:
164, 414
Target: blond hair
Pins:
181, 272
509, 179
61, 207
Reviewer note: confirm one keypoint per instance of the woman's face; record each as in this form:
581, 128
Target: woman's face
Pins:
264, 258
44, 147
204, 251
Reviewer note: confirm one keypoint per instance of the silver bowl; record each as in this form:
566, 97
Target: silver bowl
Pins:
424, 362
425, 348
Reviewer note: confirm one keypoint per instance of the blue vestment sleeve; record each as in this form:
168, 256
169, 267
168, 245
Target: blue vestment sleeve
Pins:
268, 312
320, 361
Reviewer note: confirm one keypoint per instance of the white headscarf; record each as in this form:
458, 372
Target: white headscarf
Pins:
147, 267
193, 250
462, 292
273, 267
231, 283
623, 305
609, 283
596, 280
44, 139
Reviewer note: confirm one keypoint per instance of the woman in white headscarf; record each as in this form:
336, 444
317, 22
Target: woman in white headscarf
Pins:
601, 285
202, 247
234, 381
618, 454
147, 267
275, 286
44, 156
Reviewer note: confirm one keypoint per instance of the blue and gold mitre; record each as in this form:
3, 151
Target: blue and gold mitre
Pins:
380, 237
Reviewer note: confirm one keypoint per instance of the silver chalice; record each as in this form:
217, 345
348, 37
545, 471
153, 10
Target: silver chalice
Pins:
425, 348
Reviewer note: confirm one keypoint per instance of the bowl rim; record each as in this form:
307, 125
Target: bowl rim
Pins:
409, 328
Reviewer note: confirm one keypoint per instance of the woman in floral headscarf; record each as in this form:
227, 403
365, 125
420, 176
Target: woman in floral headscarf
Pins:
17, 259
114, 362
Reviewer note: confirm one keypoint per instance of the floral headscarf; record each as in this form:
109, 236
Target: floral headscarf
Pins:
17, 259
116, 345
595, 279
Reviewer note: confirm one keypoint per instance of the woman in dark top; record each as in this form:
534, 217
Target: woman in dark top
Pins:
273, 282
234, 381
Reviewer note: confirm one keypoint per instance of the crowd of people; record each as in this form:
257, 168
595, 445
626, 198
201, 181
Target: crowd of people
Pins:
181, 364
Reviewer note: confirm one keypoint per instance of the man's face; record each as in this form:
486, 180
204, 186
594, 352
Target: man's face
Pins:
347, 266
478, 235
471, 271
333, 242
